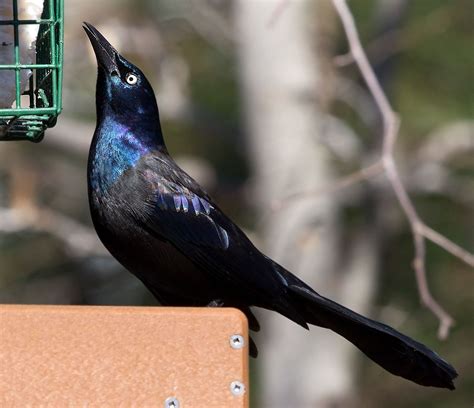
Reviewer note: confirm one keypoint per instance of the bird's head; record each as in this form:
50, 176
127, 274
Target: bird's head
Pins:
122, 89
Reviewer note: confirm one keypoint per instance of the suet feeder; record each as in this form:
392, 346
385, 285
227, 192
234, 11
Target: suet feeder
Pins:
31, 61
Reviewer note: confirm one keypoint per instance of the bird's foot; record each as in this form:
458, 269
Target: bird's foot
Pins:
216, 303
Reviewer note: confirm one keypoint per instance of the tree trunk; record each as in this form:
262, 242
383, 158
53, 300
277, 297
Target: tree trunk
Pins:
280, 76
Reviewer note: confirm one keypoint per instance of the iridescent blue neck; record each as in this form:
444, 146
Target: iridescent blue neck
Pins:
115, 148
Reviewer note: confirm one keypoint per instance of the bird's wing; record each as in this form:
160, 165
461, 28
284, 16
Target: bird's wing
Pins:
181, 213
178, 209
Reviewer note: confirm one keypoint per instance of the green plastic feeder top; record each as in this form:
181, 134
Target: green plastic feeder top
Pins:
31, 61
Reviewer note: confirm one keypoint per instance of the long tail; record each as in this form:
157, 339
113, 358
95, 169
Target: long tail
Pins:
395, 352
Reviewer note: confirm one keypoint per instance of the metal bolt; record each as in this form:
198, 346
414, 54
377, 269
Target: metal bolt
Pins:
237, 341
171, 402
237, 388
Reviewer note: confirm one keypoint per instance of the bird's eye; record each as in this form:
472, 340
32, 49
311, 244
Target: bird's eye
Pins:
131, 79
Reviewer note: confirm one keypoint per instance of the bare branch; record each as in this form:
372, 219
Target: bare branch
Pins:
445, 320
398, 40
277, 12
447, 245
344, 182
389, 118
390, 131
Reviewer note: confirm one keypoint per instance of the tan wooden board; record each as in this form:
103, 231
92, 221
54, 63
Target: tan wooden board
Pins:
101, 356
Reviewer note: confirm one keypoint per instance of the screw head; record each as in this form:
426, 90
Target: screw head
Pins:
171, 402
237, 341
237, 388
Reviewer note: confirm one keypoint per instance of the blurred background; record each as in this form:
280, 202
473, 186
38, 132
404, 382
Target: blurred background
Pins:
256, 106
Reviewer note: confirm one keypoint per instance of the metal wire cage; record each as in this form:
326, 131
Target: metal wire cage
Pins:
36, 82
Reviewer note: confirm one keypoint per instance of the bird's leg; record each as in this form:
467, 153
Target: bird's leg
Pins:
253, 351
216, 303
252, 320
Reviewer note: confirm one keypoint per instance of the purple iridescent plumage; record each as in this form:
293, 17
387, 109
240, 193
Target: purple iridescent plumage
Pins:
117, 150
181, 202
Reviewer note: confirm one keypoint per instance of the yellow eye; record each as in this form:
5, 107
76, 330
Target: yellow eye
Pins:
131, 79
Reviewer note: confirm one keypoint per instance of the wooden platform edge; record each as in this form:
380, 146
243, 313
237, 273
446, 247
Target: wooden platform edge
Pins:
123, 355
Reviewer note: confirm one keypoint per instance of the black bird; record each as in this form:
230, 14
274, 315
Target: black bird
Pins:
164, 228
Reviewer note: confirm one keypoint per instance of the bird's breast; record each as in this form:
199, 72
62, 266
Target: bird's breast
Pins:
157, 263
115, 149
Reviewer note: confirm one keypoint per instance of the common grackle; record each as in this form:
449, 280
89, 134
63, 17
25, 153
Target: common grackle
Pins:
164, 228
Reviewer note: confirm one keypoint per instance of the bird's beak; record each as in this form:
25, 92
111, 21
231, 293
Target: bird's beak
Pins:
106, 54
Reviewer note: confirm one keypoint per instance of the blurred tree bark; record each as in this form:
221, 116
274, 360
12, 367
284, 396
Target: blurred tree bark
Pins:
280, 78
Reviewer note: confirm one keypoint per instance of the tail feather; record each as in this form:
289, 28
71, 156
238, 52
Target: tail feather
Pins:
395, 352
